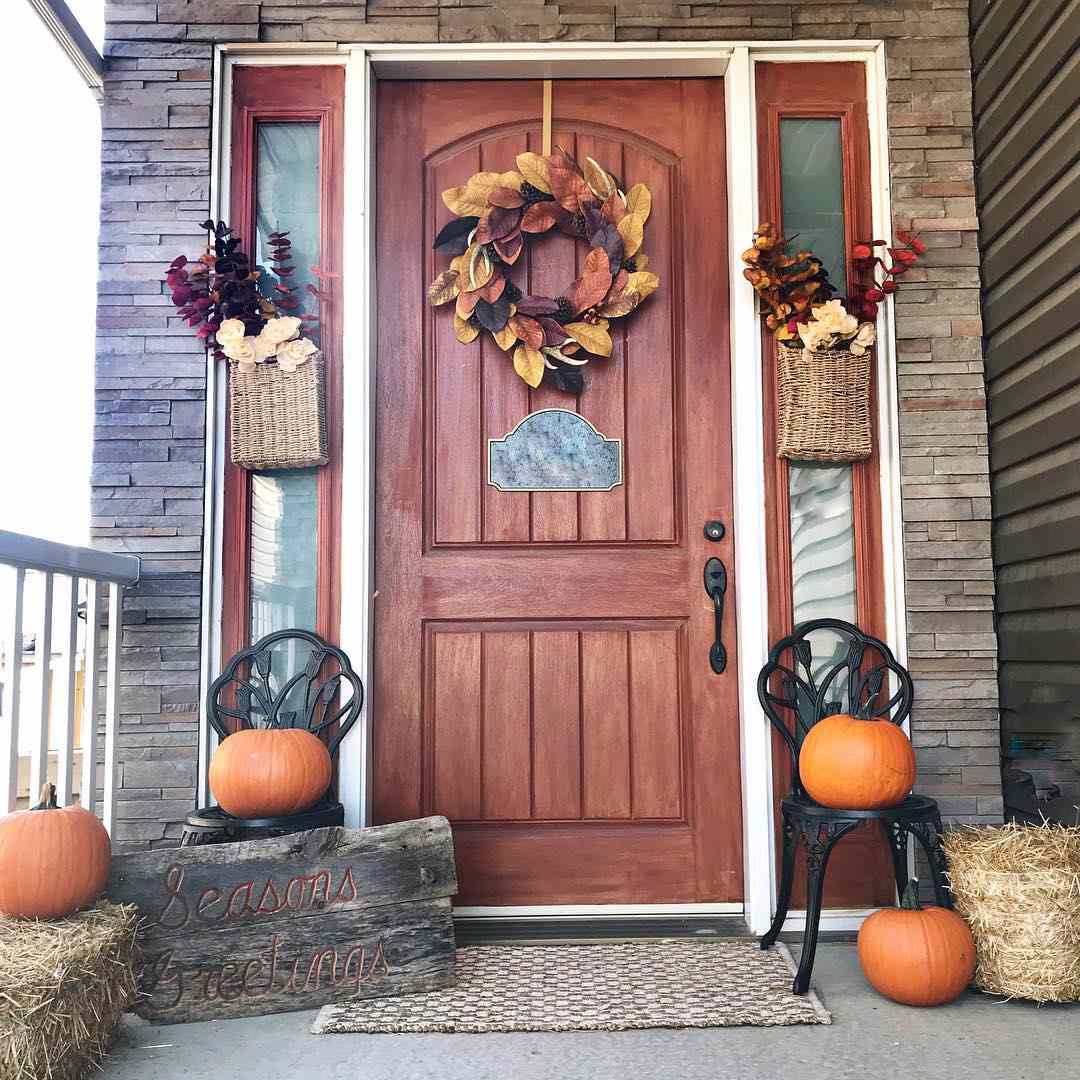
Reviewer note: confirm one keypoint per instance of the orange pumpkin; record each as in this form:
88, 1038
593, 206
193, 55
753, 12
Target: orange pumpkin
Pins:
916, 955
53, 860
849, 763
257, 773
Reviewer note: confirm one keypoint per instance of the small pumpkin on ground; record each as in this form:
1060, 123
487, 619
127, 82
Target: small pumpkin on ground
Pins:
856, 763
916, 955
53, 860
268, 772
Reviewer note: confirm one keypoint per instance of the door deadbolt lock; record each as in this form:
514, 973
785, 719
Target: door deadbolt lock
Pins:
714, 530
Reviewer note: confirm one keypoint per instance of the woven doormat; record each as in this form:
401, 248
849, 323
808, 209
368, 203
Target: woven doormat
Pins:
607, 987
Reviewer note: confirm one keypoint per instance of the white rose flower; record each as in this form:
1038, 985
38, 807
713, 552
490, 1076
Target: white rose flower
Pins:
863, 339
264, 348
283, 329
244, 353
815, 335
835, 318
294, 353
229, 331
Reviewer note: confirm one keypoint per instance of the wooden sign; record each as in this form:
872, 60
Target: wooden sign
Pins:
293, 922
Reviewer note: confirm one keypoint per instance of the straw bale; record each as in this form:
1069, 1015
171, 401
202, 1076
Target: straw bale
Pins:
63, 985
1018, 887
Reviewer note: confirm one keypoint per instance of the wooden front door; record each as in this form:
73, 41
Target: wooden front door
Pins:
542, 670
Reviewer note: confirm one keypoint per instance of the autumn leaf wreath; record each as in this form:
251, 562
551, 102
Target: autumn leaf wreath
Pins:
551, 336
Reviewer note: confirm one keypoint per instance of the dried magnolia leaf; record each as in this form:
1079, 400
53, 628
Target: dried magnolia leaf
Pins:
493, 316
567, 183
632, 232
601, 183
480, 266
554, 334
643, 283
639, 202
539, 217
466, 303
453, 238
641, 262
444, 288
529, 364
593, 338
496, 223
535, 170
593, 285
614, 208
528, 330
510, 198
472, 198
611, 241
569, 380
537, 305
505, 337
617, 307
464, 330
510, 247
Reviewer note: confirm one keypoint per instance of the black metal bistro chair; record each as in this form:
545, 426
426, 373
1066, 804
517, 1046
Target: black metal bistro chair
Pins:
796, 691
288, 679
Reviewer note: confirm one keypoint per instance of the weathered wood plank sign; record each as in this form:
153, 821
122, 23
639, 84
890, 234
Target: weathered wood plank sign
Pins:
293, 922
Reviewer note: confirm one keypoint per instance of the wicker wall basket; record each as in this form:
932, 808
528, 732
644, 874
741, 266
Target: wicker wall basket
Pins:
823, 405
277, 419
1018, 887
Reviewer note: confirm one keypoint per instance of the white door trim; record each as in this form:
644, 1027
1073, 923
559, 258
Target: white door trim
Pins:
735, 61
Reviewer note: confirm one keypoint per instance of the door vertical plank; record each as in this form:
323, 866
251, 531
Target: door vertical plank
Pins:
454, 373
603, 513
507, 763
653, 352
556, 725
457, 750
605, 724
655, 729
505, 395
553, 262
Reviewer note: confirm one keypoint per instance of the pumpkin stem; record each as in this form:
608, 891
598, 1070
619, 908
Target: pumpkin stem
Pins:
48, 798
910, 900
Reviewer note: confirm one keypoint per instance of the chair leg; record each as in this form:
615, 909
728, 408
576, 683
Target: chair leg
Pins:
787, 879
897, 838
819, 845
929, 835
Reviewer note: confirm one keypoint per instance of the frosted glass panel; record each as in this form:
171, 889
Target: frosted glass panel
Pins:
812, 190
821, 500
287, 199
284, 507
284, 504
822, 550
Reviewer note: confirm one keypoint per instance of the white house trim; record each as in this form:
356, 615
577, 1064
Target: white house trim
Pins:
735, 61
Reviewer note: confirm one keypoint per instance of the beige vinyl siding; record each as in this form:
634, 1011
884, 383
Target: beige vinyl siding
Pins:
1026, 66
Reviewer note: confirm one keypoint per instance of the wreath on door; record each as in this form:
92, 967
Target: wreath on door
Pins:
551, 337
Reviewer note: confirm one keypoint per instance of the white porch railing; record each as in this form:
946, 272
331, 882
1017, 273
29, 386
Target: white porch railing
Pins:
51, 733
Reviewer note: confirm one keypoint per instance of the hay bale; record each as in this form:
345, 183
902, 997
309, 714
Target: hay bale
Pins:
1018, 886
63, 985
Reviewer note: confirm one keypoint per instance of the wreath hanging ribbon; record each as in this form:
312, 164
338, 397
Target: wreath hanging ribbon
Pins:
552, 336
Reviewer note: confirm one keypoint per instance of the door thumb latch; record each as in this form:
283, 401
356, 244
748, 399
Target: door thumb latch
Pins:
716, 589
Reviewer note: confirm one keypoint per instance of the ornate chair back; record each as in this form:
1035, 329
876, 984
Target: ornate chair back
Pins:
288, 679
854, 673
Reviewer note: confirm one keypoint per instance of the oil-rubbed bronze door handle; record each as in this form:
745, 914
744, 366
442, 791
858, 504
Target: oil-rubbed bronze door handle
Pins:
716, 588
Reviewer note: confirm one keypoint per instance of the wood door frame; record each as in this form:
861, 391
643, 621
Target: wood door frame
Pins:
734, 61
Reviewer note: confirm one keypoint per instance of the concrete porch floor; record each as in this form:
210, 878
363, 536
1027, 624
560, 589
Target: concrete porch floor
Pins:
978, 1037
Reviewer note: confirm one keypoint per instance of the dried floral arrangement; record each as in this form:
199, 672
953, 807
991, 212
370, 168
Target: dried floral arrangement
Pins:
551, 336
800, 303
220, 298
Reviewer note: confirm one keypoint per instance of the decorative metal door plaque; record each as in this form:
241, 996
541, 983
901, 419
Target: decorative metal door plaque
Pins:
554, 450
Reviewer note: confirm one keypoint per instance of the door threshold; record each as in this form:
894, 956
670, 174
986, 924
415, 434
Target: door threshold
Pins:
557, 929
